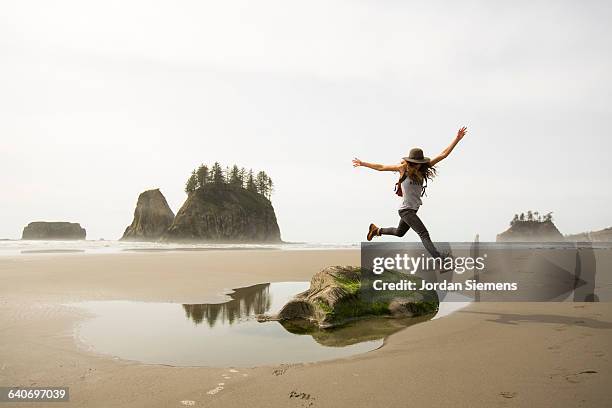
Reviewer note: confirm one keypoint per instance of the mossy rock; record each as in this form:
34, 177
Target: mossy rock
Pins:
336, 297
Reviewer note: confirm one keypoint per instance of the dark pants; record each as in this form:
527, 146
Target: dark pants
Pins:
410, 219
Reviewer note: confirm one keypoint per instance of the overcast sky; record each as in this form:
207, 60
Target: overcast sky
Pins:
100, 101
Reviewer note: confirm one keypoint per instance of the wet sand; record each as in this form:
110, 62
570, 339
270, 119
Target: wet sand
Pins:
487, 355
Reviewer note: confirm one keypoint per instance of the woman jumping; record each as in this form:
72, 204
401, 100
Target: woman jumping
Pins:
414, 172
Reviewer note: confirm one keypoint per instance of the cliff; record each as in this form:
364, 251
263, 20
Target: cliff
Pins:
54, 230
152, 217
224, 213
604, 235
531, 231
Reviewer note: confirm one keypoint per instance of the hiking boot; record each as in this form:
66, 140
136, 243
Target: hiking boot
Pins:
372, 232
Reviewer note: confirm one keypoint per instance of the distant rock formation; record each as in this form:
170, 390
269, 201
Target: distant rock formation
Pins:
604, 235
531, 231
152, 217
218, 212
54, 230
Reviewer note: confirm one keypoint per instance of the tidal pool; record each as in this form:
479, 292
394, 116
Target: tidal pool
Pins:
224, 334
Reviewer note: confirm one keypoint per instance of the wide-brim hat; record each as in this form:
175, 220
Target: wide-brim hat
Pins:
416, 156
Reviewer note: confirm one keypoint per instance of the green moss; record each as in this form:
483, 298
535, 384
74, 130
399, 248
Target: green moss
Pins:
351, 286
325, 308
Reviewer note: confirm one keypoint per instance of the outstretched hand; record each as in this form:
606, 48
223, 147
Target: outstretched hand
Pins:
461, 133
357, 162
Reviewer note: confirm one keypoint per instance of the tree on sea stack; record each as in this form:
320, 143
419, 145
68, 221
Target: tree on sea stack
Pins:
233, 176
270, 188
217, 174
250, 185
242, 176
192, 183
203, 175
262, 183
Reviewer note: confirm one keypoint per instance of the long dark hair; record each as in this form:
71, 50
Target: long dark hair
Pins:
421, 173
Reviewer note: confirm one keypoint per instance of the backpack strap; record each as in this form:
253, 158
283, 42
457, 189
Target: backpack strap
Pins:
423, 193
398, 185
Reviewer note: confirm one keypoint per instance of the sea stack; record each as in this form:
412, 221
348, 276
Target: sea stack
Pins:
218, 212
532, 230
152, 217
54, 230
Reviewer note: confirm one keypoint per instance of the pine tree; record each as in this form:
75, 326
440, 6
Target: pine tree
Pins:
270, 188
262, 183
192, 183
242, 174
234, 177
217, 174
251, 186
202, 175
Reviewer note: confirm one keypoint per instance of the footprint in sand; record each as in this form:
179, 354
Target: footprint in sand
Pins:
282, 369
188, 402
307, 400
508, 394
215, 390
220, 386
279, 371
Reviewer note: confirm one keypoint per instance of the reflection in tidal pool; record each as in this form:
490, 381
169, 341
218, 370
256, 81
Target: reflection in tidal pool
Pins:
224, 334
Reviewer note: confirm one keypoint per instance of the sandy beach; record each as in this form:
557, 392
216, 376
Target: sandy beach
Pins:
485, 355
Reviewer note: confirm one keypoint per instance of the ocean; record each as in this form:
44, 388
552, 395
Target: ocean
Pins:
18, 246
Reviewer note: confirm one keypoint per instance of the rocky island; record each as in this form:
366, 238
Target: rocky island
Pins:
152, 217
225, 206
531, 227
41, 230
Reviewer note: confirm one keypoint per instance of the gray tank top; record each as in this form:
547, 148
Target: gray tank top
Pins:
411, 191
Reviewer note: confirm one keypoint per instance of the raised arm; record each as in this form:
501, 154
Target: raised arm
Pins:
378, 167
450, 147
